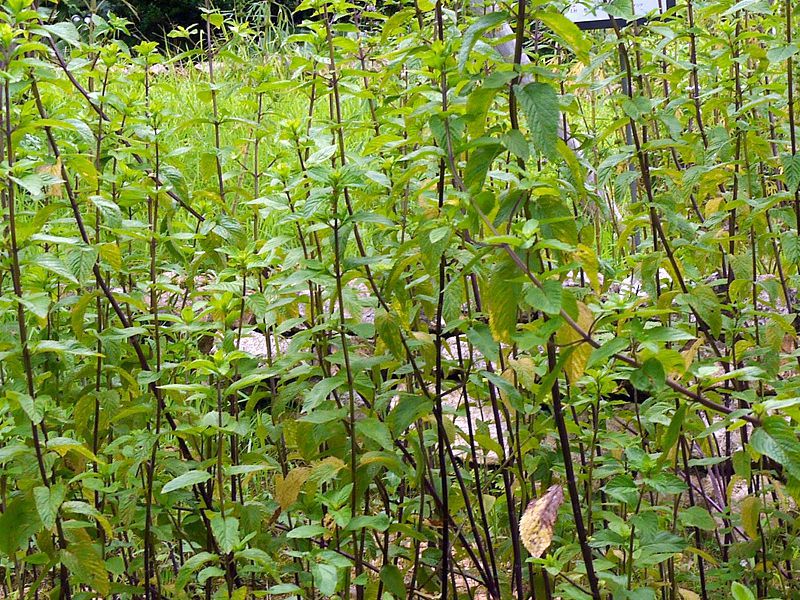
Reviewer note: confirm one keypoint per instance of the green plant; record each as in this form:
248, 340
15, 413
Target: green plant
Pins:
321, 319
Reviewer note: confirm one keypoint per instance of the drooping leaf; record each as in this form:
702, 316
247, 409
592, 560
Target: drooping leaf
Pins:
288, 489
539, 103
502, 299
48, 501
226, 532
750, 513
18, 523
85, 563
392, 578
568, 337
536, 524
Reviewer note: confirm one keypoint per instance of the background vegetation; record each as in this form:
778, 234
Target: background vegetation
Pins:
322, 313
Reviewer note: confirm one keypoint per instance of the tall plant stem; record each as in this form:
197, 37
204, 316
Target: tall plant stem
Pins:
572, 486
790, 106
338, 252
440, 431
152, 205
16, 279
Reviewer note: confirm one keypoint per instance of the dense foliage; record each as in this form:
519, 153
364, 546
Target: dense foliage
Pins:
327, 320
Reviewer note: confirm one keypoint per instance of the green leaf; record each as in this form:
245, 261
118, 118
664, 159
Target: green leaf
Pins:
601, 355
742, 464
478, 165
781, 53
226, 532
539, 102
784, 447
697, 516
48, 501
650, 377
388, 329
66, 31
666, 483
568, 338
705, 303
791, 171
475, 31
80, 260
306, 531
188, 479
547, 299
740, 592
29, 405
672, 432
481, 337
326, 578
284, 588
409, 408
54, 264
374, 429
378, 522
392, 578
18, 523
191, 566
569, 33
478, 104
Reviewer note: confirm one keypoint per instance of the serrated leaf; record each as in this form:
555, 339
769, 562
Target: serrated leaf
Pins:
408, 409
55, 265
87, 566
66, 31
28, 404
502, 300
705, 303
392, 578
547, 298
306, 531
288, 489
326, 578
791, 171
80, 260
388, 330
226, 532
379, 522
539, 103
48, 501
566, 336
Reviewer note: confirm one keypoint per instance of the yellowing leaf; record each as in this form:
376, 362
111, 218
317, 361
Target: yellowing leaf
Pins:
712, 206
501, 299
536, 524
750, 512
287, 490
567, 337
591, 266
85, 563
691, 352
